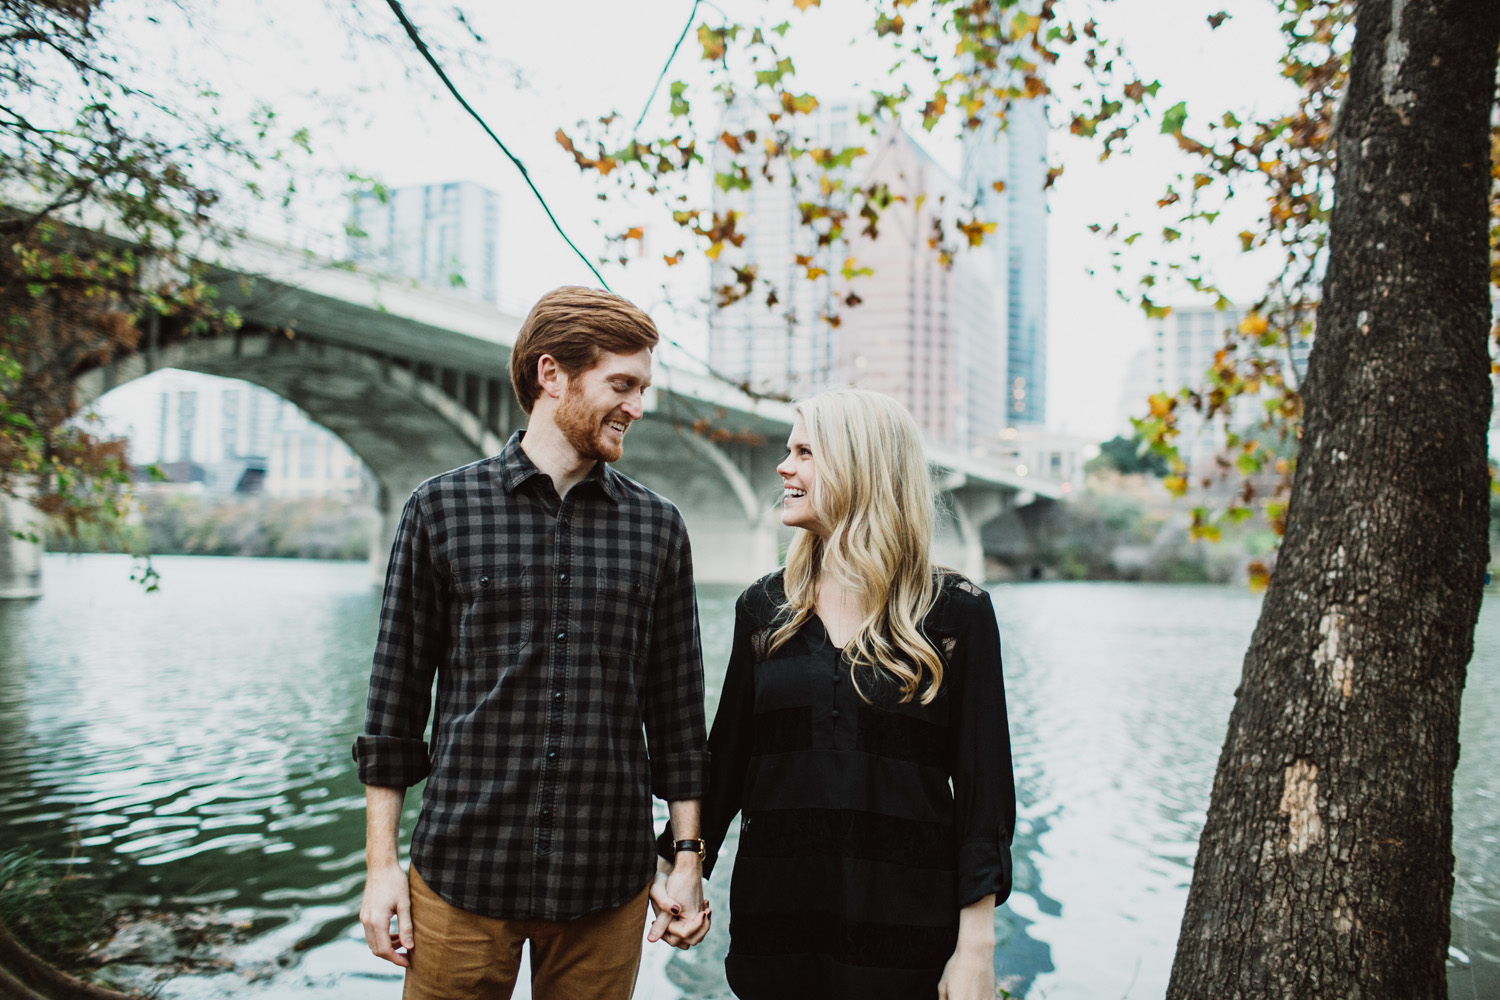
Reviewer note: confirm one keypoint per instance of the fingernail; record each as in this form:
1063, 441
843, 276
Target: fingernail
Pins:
676, 911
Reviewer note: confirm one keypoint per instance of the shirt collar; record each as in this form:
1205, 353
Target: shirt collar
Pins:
516, 467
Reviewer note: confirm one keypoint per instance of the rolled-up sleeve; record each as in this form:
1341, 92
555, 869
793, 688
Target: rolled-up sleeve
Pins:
983, 783
411, 640
676, 735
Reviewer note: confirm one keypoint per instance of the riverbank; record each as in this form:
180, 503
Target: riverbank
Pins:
255, 525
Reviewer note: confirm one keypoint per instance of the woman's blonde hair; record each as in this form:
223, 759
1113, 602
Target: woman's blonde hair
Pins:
874, 495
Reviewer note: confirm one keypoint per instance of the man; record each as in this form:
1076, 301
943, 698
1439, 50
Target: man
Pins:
553, 599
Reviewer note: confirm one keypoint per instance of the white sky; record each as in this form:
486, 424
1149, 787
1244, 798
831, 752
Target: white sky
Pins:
590, 57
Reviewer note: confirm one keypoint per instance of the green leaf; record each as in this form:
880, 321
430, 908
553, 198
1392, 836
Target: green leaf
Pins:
1174, 118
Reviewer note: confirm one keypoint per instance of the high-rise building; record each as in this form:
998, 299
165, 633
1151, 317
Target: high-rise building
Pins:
937, 337
1004, 173
789, 346
444, 236
1183, 345
229, 436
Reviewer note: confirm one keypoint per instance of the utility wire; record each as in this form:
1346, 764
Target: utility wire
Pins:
411, 30
416, 38
663, 74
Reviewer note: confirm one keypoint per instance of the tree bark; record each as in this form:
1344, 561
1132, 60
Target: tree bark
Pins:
1325, 868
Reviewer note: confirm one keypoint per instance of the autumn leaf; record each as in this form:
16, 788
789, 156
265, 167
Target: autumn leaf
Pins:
712, 253
732, 141
976, 231
1053, 173
1247, 240
852, 270
633, 233
713, 41
888, 25
933, 110
1254, 325
674, 259
1259, 577
798, 104
1024, 24
804, 4
814, 273
999, 187
1214, 20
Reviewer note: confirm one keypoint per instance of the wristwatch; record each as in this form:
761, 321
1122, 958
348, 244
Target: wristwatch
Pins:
698, 847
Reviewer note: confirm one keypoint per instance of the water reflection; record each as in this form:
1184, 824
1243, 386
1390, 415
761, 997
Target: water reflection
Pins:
191, 748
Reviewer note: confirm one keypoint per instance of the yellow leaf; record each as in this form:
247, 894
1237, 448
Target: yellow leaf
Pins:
634, 233
804, 4
1176, 485
814, 273
999, 186
1259, 576
714, 251
1024, 24
1254, 325
1162, 404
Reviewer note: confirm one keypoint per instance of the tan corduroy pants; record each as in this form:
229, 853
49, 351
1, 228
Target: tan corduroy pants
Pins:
464, 956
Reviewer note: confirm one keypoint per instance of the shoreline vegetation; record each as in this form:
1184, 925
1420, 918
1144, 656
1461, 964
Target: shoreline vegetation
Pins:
61, 938
1122, 526
171, 523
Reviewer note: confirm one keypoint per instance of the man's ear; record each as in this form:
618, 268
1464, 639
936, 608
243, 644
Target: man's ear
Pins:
550, 376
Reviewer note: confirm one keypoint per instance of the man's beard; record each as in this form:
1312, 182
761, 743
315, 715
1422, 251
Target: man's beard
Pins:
583, 431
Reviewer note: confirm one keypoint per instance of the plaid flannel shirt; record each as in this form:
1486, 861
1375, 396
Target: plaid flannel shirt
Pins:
557, 630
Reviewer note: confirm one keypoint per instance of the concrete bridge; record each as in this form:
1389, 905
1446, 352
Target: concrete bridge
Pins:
416, 382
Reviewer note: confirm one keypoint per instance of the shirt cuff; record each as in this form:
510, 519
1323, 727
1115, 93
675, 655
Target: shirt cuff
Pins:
391, 761
679, 776
983, 868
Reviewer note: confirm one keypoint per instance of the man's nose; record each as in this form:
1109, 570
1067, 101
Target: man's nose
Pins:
634, 407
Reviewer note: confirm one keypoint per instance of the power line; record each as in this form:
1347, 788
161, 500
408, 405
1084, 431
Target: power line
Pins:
411, 31
663, 74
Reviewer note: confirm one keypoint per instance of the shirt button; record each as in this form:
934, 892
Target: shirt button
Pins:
551, 754
562, 576
561, 636
546, 811
837, 678
835, 713
484, 581
557, 696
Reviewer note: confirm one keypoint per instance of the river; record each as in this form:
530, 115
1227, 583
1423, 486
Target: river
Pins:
190, 748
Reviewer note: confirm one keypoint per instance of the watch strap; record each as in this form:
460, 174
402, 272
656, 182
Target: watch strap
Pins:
697, 847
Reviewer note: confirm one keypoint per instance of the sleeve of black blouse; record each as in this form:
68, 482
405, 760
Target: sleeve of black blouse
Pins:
983, 785
729, 745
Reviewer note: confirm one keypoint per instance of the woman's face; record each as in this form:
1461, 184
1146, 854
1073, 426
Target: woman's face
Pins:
799, 478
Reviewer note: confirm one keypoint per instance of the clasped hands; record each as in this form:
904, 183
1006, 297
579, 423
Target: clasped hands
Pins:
682, 914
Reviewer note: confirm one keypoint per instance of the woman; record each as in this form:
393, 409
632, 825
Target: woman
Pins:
862, 681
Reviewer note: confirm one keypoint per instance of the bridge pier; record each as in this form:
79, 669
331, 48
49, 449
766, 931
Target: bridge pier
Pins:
20, 560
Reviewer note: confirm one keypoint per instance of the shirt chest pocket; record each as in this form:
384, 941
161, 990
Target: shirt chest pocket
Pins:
495, 613
622, 617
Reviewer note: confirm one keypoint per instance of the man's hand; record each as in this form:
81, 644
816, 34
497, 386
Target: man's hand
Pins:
682, 914
387, 892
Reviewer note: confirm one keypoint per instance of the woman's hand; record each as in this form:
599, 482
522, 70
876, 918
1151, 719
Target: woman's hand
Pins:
970, 973
682, 914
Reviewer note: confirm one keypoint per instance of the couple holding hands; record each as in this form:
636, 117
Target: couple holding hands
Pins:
861, 734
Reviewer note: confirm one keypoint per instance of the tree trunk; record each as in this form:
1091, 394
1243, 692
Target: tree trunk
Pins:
1326, 868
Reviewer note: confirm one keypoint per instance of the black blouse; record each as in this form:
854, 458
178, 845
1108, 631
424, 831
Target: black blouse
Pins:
866, 825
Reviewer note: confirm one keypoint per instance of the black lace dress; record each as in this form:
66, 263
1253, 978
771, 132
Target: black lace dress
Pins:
865, 826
